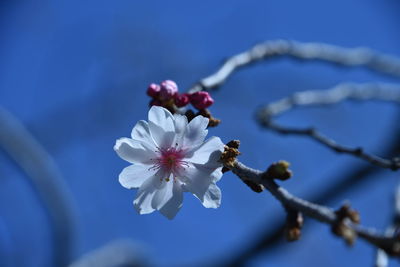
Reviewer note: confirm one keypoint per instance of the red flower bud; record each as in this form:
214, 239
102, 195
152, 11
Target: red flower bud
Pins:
201, 100
168, 90
181, 100
153, 90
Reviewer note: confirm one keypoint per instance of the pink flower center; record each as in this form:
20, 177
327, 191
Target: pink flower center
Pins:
170, 160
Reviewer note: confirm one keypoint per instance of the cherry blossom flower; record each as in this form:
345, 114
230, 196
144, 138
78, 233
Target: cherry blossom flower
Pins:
169, 156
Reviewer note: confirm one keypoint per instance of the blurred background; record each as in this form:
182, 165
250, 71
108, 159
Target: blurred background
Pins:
73, 76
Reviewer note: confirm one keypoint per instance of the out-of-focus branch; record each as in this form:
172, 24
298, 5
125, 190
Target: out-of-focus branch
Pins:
346, 91
45, 179
389, 243
361, 56
381, 256
358, 57
117, 253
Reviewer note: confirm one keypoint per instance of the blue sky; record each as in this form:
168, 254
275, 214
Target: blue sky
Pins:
75, 74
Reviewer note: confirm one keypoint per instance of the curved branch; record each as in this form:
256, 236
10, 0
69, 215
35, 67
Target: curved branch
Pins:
355, 177
358, 57
120, 252
345, 91
353, 57
45, 179
389, 243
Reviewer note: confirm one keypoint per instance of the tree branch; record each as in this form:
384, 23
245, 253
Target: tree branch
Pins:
353, 178
345, 91
354, 57
389, 243
45, 179
358, 57
117, 253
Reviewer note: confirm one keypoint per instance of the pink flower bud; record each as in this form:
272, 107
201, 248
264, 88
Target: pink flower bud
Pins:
168, 89
153, 90
201, 100
155, 102
181, 100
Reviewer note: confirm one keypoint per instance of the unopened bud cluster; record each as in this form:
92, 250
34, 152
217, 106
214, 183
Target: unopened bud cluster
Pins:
342, 229
166, 94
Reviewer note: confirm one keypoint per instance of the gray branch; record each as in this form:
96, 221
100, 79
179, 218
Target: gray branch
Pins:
355, 57
45, 179
345, 91
118, 253
387, 242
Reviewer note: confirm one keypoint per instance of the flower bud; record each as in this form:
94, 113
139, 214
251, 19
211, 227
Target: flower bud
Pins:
201, 100
181, 100
153, 90
168, 90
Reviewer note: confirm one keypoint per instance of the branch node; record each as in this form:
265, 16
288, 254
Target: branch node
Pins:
294, 224
228, 157
278, 170
346, 212
341, 227
258, 188
213, 122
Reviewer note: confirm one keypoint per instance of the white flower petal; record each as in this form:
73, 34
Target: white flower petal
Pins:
199, 177
146, 192
141, 132
135, 175
212, 197
208, 153
134, 151
162, 117
163, 194
196, 132
171, 208
161, 126
181, 123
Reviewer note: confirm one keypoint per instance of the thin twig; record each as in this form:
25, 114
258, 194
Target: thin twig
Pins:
355, 57
45, 179
345, 91
316, 51
361, 57
272, 237
389, 243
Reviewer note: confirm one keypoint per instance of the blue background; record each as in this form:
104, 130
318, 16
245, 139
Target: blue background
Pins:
75, 73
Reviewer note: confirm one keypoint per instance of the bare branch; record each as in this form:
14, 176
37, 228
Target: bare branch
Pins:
358, 57
355, 177
45, 179
345, 91
355, 57
120, 252
389, 243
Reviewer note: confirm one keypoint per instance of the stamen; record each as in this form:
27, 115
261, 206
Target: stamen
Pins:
170, 160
